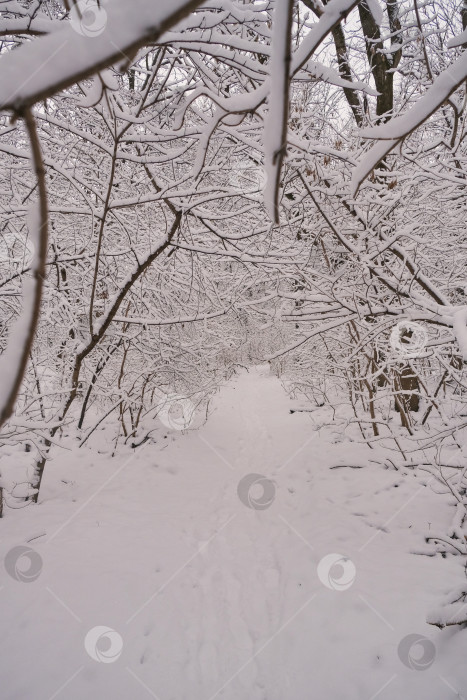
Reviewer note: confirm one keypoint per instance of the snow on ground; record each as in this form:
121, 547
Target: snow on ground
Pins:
210, 598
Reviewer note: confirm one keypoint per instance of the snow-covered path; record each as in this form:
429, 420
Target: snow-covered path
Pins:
210, 598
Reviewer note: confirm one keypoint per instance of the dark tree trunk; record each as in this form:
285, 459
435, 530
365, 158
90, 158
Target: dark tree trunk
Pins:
410, 386
381, 63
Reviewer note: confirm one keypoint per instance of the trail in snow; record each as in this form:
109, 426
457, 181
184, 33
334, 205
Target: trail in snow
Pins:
213, 599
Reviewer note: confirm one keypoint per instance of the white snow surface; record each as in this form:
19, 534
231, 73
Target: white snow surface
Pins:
212, 599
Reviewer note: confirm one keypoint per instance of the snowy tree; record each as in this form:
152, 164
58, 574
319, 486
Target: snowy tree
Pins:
187, 188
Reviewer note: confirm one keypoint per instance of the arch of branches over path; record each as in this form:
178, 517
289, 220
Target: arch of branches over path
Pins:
54, 57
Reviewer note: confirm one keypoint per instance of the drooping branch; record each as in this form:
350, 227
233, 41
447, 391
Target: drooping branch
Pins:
43, 67
14, 360
275, 131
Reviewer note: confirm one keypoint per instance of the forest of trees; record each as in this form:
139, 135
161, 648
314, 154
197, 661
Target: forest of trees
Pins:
187, 188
